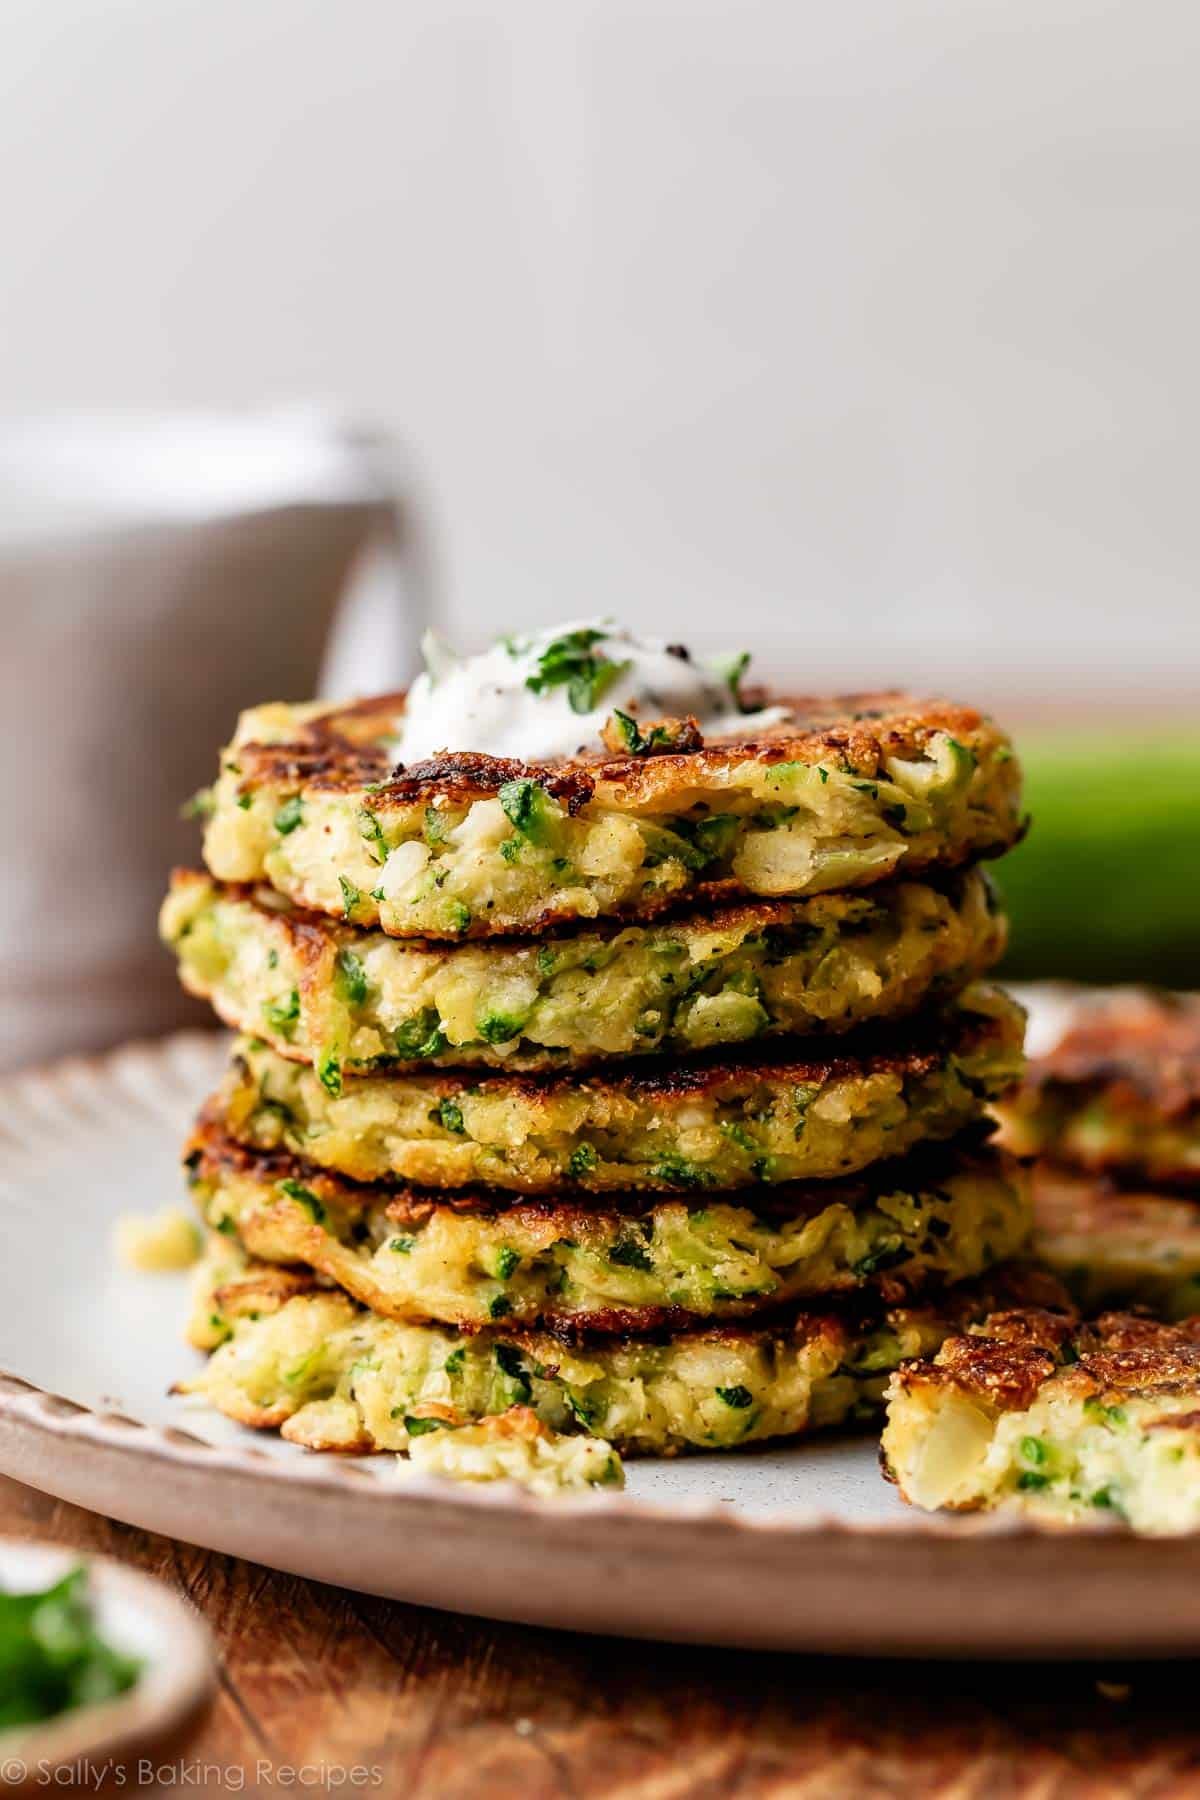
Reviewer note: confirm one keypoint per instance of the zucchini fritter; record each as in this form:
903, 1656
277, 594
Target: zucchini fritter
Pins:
740, 1119
629, 1262
351, 1000
850, 791
1033, 1411
332, 1376
1117, 1247
1120, 1092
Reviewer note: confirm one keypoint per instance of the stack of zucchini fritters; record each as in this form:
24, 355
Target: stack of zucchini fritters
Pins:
642, 1091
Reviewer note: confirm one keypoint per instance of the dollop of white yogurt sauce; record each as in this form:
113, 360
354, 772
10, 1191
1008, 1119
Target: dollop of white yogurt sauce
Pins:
549, 694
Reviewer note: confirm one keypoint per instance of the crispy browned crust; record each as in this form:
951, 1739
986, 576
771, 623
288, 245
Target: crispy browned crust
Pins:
311, 932
843, 1321
339, 751
211, 1153
840, 1325
1117, 1357
1135, 1047
720, 902
265, 1288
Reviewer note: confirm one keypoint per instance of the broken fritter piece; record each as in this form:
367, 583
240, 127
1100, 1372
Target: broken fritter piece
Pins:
514, 1446
1066, 1422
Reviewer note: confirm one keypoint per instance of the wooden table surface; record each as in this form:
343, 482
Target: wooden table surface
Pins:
319, 1682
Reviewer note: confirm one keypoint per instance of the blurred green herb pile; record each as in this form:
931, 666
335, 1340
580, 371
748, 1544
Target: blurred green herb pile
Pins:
51, 1656
1106, 887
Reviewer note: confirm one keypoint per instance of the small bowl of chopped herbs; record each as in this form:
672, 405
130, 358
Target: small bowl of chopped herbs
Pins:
98, 1664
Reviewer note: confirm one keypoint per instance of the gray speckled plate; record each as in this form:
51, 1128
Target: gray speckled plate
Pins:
790, 1548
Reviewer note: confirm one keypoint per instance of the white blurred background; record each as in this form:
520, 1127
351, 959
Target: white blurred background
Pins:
862, 334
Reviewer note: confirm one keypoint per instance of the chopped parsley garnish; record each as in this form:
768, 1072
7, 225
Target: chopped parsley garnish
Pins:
329, 1071
370, 828
677, 1171
731, 673
528, 808
283, 1015
351, 978
1097, 1411
455, 916
290, 814
508, 1360
351, 896
52, 1658
737, 1397
417, 1427
449, 1115
403, 1246
623, 733
506, 1261
582, 1161
420, 1037
629, 1254
499, 1027
574, 662
454, 1362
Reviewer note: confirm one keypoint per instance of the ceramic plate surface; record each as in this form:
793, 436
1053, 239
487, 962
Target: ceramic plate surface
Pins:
790, 1548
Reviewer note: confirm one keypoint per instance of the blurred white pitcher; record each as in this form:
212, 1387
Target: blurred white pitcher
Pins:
156, 575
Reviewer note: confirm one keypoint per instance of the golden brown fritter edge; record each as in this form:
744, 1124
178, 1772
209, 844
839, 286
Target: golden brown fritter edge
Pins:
1116, 1357
910, 1048
263, 1288
339, 750
211, 1151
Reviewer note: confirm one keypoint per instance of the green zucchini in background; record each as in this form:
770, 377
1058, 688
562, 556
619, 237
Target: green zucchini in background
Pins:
1106, 887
